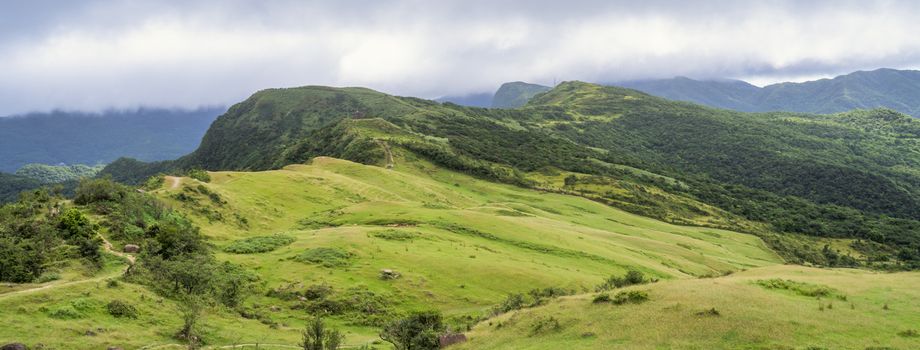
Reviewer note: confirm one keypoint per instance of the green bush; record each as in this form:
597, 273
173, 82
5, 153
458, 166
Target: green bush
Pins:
325, 257
260, 244
395, 235
630, 297
601, 298
199, 175
121, 309
66, 312
801, 288
632, 277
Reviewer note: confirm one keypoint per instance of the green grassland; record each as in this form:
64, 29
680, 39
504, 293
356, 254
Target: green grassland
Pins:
865, 310
461, 245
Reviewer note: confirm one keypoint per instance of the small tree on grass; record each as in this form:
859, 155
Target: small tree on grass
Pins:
192, 306
419, 331
317, 337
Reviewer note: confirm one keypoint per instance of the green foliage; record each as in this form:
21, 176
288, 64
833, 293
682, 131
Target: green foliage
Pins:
259, 244
121, 309
12, 185
317, 337
800, 288
630, 297
199, 175
544, 325
395, 235
418, 331
325, 256
52, 174
632, 277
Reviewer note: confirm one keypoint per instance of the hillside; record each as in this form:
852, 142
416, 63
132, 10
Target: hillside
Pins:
11, 185
459, 244
88, 138
824, 309
846, 176
882, 88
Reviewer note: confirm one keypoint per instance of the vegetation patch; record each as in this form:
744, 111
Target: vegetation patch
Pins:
544, 325
121, 309
325, 257
631, 278
260, 244
624, 297
801, 288
395, 235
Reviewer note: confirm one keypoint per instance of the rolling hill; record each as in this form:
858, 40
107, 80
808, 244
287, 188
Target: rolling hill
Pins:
847, 176
882, 88
366, 208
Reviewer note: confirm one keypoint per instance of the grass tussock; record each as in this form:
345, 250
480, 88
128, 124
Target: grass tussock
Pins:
325, 257
260, 244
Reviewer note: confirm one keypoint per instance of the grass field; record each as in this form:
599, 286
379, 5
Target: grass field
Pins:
461, 245
749, 315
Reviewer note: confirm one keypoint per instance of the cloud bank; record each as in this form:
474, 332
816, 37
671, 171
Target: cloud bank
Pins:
94, 55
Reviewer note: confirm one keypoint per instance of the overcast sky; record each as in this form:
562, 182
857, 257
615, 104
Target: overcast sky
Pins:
90, 55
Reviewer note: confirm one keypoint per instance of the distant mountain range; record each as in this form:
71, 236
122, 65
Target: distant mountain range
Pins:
882, 88
509, 95
87, 138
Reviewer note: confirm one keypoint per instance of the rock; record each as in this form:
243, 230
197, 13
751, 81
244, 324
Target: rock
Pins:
451, 339
131, 248
388, 274
14, 346
274, 308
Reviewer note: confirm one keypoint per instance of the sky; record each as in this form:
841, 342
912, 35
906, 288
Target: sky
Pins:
95, 55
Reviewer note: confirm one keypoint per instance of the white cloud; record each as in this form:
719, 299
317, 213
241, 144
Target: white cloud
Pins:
181, 54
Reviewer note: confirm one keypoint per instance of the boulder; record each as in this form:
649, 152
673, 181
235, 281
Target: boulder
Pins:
131, 248
14, 346
388, 274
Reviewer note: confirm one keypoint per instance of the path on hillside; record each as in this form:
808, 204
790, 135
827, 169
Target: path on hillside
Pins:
107, 246
173, 181
386, 149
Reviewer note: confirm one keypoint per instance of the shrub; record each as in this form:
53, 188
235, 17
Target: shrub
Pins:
632, 277
395, 235
511, 302
709, 313
601, 298
260, 244
630, 297
801, 288
544, 325
121, 309
199, 175
419, 331
326, 257
66, 312
910, 333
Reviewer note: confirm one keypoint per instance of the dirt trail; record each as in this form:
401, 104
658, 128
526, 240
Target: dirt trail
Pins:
105, 245
386, 149
173, 181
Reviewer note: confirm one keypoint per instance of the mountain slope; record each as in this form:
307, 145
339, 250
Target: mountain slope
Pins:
852, 176
882, 88
85, 138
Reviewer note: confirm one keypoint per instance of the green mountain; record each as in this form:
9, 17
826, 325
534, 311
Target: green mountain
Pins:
851, 175
577, 220
90, 138
11, 185
516, 94
883, 88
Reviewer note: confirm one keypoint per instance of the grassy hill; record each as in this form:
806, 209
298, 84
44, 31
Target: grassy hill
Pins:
845, 176
882, 88
822, 309
460, 245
